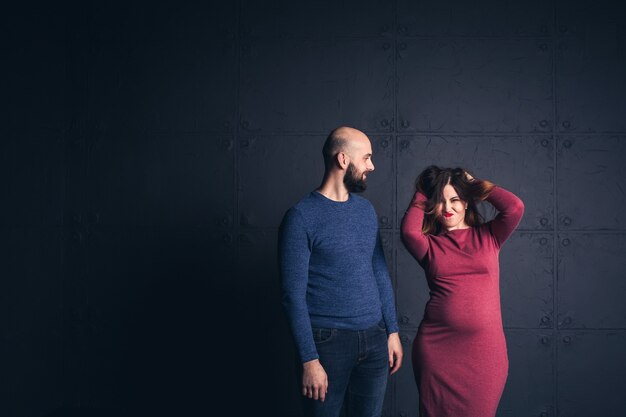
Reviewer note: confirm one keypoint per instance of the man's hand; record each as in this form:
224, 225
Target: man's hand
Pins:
314, 380
395, 352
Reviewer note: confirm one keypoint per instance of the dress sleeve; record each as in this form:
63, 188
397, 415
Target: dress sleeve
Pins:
510, 209
383, 281
412, 237
293, 257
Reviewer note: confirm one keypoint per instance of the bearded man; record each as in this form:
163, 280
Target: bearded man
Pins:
336, 288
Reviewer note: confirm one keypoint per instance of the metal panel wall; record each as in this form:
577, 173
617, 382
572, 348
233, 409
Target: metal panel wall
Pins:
152, 240
150, 153
32, 178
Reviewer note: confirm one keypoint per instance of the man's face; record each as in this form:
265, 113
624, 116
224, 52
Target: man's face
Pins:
355, 178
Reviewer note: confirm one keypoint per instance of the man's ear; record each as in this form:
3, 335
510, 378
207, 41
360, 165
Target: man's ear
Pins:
342, 160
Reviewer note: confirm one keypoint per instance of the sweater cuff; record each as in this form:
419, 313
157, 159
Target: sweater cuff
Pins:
309, 357
392, 329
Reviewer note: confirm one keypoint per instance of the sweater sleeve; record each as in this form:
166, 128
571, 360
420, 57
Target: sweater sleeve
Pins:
385, 289
412, 237
293, 254
511, 210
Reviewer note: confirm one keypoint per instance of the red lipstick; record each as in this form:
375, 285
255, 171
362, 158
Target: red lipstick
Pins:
448, 215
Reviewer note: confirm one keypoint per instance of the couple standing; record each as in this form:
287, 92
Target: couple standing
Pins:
339, 299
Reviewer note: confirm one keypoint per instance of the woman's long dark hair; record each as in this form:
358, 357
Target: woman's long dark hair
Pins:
431, 183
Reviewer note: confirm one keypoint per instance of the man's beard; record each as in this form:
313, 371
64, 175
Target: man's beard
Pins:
353, 181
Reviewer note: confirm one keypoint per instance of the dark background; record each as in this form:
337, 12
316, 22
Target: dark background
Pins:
149, 152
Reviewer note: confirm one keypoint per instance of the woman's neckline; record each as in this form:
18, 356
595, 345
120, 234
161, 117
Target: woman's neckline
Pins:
454, 230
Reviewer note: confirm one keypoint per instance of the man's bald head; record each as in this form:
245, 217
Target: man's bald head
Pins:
340, 140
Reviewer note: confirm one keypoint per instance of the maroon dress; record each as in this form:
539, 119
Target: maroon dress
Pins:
459, 354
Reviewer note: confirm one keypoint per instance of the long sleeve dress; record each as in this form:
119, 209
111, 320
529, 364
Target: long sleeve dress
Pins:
459, 355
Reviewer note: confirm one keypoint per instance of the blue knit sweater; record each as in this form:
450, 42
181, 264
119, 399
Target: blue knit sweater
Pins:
333, 269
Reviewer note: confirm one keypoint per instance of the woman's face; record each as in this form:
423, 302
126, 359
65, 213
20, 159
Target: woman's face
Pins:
451, 213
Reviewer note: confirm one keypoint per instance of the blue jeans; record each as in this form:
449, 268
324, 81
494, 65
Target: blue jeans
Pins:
357, 365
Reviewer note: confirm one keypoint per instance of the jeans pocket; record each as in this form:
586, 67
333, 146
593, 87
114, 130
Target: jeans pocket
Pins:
381, 326
322, 335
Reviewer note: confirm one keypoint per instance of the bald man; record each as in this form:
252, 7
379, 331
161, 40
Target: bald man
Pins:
336, 288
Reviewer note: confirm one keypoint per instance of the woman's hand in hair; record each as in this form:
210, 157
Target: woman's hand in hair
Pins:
469, 177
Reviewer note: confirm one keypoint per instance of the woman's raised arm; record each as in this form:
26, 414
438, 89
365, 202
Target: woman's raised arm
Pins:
511, 210
412, 237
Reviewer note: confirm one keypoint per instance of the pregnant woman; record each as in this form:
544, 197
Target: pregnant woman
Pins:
459, 354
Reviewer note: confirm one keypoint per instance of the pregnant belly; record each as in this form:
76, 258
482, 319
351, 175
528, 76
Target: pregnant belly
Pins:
463, 312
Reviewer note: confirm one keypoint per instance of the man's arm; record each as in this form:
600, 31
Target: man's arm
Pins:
388, 305
293, 256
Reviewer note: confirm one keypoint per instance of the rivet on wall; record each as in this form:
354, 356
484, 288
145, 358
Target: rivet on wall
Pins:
226, 145
94, 217
77, 237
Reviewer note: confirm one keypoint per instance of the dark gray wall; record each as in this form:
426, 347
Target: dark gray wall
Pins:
148, 154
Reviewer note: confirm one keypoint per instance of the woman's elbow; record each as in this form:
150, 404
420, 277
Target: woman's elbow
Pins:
410, 235
518, 208
405, 230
